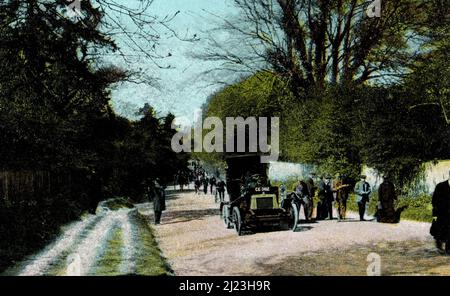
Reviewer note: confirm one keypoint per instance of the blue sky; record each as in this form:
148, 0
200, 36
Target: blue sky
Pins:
182, 89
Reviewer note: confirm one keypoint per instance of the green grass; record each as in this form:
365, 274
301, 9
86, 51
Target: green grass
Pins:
419, 208
118, 203
59, 267
149, 258
110, 262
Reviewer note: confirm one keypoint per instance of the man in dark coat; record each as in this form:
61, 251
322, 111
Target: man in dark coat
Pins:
212, 183
301, 190
159, 200
197, 185
341, 190
221, 190
325, 204
205, 182
386, 212
441, 212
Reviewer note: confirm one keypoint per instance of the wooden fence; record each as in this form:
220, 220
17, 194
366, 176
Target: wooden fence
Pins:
25, 185
16, 186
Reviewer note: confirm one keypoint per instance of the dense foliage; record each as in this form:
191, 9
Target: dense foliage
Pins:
344, 128
56, 121
349, 89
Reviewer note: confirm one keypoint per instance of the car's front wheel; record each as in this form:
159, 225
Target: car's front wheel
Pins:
226, 216
293, 217
237, 219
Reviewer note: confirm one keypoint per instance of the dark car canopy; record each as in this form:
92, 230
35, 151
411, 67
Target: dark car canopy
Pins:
238, 167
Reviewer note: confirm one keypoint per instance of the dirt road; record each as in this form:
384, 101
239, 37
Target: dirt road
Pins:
194, 240
112, 242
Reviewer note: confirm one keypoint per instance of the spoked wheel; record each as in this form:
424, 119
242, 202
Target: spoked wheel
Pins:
293, 219
226, 216
237, 220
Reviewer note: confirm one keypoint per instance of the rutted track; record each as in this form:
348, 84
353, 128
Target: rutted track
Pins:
39, 263
195, 242
82, 247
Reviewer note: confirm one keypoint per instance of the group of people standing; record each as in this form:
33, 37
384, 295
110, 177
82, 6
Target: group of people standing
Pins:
216, 186
204, 182
338, 190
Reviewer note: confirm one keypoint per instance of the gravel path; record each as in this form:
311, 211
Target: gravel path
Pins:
94, 243
82, 244
39, 263
128, 265
194, 240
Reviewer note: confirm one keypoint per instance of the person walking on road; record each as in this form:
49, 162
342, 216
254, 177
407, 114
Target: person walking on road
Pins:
341, 191
301, 190
362, 190
440, 228
205, 182
221, 190
197, 185
159, 200
212, 184
386, 212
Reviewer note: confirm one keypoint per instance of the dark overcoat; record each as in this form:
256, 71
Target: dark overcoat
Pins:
159, 199
441, 210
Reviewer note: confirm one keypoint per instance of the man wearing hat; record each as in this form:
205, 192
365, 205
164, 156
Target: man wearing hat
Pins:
301, 190
362, 190
159, 200
325, 204
312, 192
386, 212
441, 212
341, 190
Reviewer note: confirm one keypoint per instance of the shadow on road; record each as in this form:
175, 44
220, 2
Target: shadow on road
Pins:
398, 258
183, 216
268, 229
302, 228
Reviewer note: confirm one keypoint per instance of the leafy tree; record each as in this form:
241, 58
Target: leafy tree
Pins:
56, 119
144, 153
312, 43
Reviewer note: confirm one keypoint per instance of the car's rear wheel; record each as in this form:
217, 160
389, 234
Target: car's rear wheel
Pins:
293, 217
237, 219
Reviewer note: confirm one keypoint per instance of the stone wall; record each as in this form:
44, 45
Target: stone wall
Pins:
434, 174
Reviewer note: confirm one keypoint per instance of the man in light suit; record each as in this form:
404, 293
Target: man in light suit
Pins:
363, 191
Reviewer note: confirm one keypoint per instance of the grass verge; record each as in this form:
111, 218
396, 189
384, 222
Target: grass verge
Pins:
149, 259
419, 208
109, 264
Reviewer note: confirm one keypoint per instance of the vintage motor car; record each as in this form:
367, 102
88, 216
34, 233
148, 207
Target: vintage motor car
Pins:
252, 201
